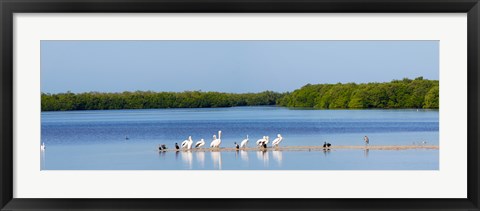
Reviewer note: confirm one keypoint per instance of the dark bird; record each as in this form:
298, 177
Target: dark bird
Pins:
324, 144
176, 146
328, 145
126, 137
367, 140
236, 145
162, 147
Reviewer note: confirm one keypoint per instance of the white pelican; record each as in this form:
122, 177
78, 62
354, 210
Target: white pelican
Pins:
213, 140
185, 143
260, 141
190, 142
277, 141
266, 140
216, 143
200, 143
244, 143
42, 147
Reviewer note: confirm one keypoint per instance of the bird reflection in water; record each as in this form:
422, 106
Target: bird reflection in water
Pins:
263, 155
43, 163
161, 154
326, 152
201, 158
366, 151
277, 156
187, 158
244, 155
217, 160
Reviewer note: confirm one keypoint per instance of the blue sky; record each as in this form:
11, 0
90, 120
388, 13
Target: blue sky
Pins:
229, 66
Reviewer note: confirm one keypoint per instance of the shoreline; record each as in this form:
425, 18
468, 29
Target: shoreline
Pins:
310, 148
252, 106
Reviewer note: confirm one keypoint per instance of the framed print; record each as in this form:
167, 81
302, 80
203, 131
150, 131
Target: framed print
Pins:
239, 105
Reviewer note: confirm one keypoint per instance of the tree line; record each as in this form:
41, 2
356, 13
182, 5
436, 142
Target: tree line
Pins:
406, 93
149, 100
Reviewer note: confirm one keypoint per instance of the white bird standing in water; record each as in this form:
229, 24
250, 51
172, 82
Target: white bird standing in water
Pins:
277, 141
244, 143
213, 140
216, 142
42, 147
260, 141
186, 142
266, 140
190, 143
200, 143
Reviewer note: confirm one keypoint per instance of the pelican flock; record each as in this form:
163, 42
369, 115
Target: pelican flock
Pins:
217, 140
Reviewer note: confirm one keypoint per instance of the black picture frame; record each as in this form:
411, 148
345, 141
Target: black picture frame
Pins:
9, 7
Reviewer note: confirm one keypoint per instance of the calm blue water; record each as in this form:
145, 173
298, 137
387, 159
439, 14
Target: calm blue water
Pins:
90, 140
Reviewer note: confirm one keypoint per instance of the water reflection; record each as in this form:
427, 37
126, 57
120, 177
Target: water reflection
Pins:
244, 155
263, 156
326, 152
366, 152
187, 158
217, 160
161, 154
201, 158
43, 163
277, 156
